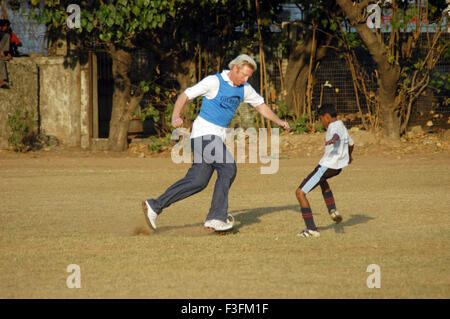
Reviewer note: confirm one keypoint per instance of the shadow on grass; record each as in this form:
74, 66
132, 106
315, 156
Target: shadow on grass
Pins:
247, 217
145, 230
355, 219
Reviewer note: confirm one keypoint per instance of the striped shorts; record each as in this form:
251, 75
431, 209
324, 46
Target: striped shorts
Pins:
318, 176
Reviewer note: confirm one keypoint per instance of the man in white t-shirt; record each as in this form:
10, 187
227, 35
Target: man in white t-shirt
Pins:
222, 93
338, 154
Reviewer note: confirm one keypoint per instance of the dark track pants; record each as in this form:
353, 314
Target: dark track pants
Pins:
210, 153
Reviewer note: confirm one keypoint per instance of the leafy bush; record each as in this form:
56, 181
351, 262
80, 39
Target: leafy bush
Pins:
159, 142
300, 125
22, 136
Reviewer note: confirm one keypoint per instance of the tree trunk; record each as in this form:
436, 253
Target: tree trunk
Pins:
296, 72
124, 103
388, 74
4, 14
388, 78
186, 74
296, 78
388, 115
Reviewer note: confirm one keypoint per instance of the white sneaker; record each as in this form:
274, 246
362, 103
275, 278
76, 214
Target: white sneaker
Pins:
230, 219
150, 215
218, 225
335, 216
308, 233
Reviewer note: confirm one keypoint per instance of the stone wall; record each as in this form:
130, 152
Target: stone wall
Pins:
58, 95
23, 94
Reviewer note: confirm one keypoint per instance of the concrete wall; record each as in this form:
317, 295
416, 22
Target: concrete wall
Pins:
58, 94
22, 95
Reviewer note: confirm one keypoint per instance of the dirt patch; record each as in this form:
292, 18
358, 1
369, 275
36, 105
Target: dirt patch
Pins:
415, 142
367, 143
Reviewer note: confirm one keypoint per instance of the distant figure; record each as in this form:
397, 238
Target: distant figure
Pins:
5, 55
14, 42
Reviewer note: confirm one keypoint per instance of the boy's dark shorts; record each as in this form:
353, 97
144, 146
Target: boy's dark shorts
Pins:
319, 175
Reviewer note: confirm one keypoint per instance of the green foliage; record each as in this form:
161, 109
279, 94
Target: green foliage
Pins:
440, 82
158, 143
150, 112
21, 125
110, 21
172, 31
318, 127
403, 17
283, 111
350, 39
300, 125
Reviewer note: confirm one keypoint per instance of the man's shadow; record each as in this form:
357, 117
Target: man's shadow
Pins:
246, 217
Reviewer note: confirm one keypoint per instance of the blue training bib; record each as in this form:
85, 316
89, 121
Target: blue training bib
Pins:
220, 110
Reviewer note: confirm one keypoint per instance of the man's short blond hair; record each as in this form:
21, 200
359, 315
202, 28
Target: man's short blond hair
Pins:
242, 60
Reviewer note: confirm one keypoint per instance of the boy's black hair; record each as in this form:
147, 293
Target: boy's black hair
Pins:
4, 22
327, 108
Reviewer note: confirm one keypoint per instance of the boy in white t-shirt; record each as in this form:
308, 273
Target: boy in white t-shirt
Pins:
338, 154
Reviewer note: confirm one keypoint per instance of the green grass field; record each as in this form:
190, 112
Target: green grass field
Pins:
85, 210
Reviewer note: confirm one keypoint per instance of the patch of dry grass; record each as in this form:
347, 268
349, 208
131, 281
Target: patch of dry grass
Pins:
56, 212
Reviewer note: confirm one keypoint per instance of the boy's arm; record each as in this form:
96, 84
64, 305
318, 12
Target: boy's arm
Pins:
351, 145
350, 151
333, 140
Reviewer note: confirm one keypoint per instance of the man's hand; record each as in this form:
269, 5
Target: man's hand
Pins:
265, 111
285, 125
177, 121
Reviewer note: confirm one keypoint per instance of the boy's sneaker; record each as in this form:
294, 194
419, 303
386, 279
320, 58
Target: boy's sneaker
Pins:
335, 216
308, 233
150, 215
218, 225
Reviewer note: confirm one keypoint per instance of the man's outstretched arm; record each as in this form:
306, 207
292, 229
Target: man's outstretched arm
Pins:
265, 111
177, 121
